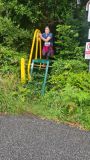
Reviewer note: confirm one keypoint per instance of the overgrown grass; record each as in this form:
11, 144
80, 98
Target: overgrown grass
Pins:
11, 100
62, 111
81, 118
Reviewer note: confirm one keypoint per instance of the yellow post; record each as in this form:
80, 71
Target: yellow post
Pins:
22, 70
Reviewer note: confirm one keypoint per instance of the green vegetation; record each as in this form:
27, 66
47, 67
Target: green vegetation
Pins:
67, 97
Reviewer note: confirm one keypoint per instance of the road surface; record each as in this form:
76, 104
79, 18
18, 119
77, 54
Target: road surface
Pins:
31, 138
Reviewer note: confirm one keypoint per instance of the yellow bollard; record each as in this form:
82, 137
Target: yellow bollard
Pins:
22, 70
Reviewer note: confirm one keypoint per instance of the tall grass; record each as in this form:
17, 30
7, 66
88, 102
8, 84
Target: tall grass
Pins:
11, 99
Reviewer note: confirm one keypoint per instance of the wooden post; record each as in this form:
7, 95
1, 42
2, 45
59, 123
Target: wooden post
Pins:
89, 65
87, 50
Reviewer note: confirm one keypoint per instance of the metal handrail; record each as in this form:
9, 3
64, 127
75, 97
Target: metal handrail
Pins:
35, 43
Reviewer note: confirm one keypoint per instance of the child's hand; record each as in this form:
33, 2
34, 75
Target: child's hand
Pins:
40, 35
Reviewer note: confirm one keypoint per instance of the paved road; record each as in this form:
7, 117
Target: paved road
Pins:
30, 138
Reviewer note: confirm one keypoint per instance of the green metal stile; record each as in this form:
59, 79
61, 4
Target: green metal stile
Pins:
41, 61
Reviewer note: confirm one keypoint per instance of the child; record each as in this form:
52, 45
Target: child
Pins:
47, 37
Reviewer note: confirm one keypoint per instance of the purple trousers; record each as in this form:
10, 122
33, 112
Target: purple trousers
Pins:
48, 51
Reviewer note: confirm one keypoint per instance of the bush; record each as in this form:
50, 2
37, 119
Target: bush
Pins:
79, 80
9, 60
68, 95
69, 104
67, 42
12, 95
74, 66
